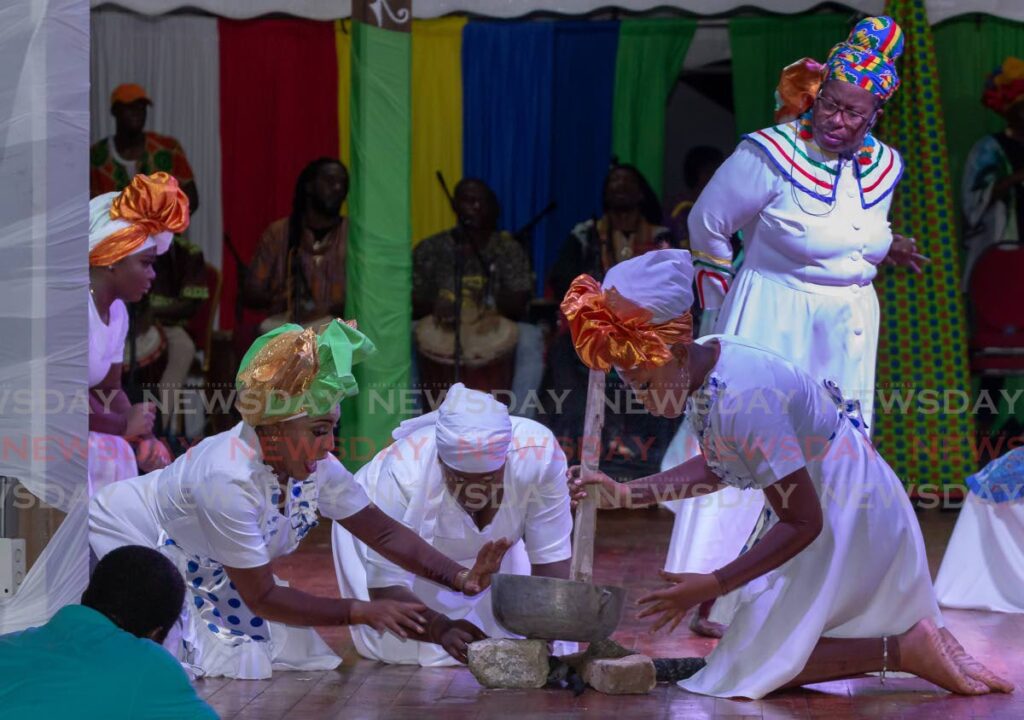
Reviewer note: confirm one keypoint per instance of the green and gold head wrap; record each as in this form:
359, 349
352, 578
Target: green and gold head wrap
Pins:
292, 371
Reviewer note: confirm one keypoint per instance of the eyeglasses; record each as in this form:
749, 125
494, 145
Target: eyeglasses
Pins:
830, 108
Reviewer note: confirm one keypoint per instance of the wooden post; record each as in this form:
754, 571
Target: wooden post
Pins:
582, 568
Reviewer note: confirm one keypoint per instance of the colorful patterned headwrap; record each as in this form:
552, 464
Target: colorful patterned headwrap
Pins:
867, 58
798, 86
291, 372
1004, 86
636, 316
145, 214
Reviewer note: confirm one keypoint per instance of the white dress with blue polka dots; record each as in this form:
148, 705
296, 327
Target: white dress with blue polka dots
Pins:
220, 505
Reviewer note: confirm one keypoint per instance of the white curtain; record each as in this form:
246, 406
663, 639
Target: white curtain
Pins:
44, 135
176, 58
334, 9
938, 10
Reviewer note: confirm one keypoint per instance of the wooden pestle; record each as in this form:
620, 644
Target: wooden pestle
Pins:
582, 568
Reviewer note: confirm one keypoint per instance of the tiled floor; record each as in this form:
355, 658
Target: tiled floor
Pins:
631, 547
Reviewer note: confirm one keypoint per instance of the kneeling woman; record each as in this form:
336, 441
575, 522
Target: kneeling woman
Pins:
240, 499
838, 584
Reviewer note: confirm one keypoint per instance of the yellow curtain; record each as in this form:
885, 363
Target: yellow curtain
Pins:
436, 121
343, 43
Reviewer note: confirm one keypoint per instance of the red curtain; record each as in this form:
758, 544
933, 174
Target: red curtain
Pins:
279, 111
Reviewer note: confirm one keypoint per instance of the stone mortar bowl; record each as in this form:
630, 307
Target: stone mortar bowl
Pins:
552, 609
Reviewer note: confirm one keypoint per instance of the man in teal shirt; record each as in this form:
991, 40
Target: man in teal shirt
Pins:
103, 659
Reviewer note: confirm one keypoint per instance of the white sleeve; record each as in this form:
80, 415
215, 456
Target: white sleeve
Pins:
757, 438
548, 530
393, 502
738, 191
339, 495
228, 512
118, 332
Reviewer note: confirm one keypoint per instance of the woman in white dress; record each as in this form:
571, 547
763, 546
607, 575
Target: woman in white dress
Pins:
983, 568
127, 230
459, 477
811, 197
238, 500
839, 585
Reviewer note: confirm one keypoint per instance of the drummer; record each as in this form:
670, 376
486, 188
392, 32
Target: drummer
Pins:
496, 279
459, 477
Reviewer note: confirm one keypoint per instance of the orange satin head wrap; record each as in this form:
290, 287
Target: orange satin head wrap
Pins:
798, 86
609, 330
153, 204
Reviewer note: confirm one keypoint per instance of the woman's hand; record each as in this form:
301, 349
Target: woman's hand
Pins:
152, 455
140, 420
394, 616
611, 495
488, 562
687, 590
903, 253
455, 639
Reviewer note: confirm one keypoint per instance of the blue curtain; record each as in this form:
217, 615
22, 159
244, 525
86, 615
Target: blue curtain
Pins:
507, 86
581, 146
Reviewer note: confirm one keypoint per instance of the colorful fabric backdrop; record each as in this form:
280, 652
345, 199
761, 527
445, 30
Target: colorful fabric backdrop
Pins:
539, 126
923, 341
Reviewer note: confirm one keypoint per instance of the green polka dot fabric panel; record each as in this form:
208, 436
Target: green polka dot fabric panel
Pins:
922, 426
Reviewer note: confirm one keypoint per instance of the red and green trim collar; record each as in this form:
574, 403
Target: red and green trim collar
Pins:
791, 148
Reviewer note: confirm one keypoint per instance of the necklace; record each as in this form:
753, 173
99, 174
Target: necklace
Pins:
625, 251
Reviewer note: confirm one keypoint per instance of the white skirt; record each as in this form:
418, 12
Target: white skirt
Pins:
830, 332
121, 514
983, 568
865, 576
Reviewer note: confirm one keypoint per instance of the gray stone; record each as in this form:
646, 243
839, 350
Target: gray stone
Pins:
630, 675
508, 663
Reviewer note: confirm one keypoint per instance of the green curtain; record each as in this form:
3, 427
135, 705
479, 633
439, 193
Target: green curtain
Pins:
762, 46
647, 65
923, 341
379, 260
968, 48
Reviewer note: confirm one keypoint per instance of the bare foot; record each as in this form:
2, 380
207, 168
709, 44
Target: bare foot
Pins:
924, 653
704, 627
973, 667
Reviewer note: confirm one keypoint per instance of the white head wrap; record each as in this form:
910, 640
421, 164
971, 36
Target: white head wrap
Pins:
660, 281
101, 226
473, 430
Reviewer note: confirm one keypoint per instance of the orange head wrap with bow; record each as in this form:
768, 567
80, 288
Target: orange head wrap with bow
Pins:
145, 214
634, 318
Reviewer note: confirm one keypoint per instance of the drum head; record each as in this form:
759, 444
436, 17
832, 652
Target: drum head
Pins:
485, 338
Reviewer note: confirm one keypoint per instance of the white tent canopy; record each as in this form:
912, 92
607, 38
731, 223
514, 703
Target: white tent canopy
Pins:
938, 10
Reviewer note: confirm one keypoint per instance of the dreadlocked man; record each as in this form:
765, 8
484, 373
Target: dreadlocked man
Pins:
298, 271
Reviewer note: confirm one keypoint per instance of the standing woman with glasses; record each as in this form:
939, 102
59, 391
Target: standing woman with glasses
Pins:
812, 198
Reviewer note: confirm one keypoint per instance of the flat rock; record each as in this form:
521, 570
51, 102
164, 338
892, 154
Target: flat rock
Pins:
509, 663
630, 675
